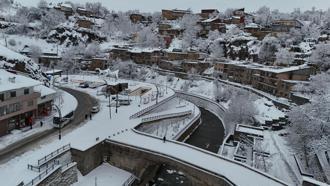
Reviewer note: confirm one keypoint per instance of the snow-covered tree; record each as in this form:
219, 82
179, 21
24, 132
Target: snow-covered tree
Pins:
97, 9
51, 19
310, 123
42, 4
311, 31
148, 38
321, 56
284, 57
92, 50
241, 109
326, 20
191, 29
263, 16
5, 3
119, 25
216, 49
268, 49
35, 52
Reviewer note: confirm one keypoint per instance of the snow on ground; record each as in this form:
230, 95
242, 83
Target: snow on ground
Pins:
17, 135
66, 102
12, 55
10, 81
267, 111
101, 126
104, 175
281, 157
22, 41
170, 127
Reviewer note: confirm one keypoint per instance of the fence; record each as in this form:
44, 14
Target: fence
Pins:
129, 181
42, 175
145, 110
53, 154
154, 118
40, 168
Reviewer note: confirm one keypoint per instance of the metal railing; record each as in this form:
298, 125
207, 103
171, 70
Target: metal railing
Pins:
158, 117
53, 154
40, 168
68, 165
143, 111
179, 134
42, 175
129, 181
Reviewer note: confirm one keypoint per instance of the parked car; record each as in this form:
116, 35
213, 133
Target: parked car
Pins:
95, 109
83, 85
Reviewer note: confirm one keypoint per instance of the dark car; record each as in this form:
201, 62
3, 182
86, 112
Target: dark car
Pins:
83, 85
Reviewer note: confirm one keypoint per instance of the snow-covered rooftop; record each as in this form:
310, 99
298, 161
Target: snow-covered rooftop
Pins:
44, 90
11, 55
10, 81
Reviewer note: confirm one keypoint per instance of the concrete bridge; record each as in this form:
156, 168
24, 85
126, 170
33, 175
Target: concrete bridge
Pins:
135, 151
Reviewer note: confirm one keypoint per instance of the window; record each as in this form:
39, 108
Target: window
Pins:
26, 91
2, 97
13, 94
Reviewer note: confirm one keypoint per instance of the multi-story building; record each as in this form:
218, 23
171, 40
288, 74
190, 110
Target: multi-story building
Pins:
285, 25
19, 101
277, 81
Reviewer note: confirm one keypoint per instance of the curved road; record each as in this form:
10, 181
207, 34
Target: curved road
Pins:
85, 104
209, 134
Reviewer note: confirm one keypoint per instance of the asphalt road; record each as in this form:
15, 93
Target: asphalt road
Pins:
209, 135
85, 104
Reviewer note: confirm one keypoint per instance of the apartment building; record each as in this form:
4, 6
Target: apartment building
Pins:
277, 81
19, 101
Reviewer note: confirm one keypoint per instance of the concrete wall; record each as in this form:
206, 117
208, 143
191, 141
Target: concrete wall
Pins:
60, 177
209, 105
52, 179
89, 159
137, 161
69, 175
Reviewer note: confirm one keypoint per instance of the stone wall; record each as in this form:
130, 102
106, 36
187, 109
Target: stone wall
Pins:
61, 177
52, 179
69, 175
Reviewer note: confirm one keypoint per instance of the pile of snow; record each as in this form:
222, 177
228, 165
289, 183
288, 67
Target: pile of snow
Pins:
267, 111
